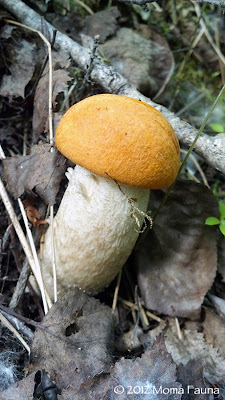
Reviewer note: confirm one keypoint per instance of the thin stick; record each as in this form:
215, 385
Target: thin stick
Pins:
115, 297
45, 297
207, 34
9, 21
179, 333
196, 163
14, 331
51, 139
135, 307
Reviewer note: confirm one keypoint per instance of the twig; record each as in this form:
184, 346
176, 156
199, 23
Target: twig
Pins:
90, 67
212, 149
207, 34
46, 300
19, 326
82, 4
135, 307
115, 297
138, 2
20, 286
22, 238
179, 333
197, 165
219, 3
8, 325
51, 139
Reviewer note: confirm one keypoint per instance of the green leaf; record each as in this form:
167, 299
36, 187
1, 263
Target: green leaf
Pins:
219, 128
212, 221
222, 229
222, 209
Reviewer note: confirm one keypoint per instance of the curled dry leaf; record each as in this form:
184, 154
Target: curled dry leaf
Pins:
177, 261
193, 346
147, 63
33, 214
42, 170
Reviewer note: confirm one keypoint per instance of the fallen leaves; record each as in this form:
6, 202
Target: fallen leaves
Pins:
177, 261
76, 338
60, 77
22, 54
147, 62
77, 353
42, 170
193, 346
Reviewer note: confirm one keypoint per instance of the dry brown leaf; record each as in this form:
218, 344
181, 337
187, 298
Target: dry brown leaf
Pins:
42, 170
21, 390
81, 345
177, 261
154, 371
23, 57
59, 83
148, 377
146, 63
214, 331
193, 346
33, 214
221, 257
103, 23
8, 135
191, 377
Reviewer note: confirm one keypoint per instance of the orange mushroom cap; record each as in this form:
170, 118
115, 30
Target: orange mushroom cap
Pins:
122, 138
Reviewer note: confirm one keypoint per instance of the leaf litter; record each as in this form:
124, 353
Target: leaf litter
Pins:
76, 343
41, 170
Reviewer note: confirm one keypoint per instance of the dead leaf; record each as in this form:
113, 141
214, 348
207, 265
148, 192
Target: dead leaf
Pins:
218, 303
23, 57
33, 214
221, 256
147, 64
154, 371
145, 377
103, 23
8, 135
41, 107
177, 261
214, 331
21, 390
80, 346
193, 346
41, 170
191, 376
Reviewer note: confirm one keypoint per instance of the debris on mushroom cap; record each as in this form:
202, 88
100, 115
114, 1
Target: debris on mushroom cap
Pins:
121, 138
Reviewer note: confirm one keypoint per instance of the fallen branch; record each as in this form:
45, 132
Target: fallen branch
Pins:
219, 3
212, 149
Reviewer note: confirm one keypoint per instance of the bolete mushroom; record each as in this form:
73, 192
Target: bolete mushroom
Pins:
122, 147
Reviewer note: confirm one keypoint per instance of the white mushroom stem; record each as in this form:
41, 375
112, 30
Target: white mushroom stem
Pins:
95, 230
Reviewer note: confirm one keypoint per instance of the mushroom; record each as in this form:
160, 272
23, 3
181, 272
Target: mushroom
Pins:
122, 147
